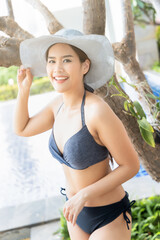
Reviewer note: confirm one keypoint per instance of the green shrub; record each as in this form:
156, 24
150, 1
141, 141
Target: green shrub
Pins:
158, 37
8, 92
41, 85
7, 73
156, 67
145, 220
63, 231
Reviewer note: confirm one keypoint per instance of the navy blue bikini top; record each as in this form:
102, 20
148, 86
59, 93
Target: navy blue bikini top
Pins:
80, 150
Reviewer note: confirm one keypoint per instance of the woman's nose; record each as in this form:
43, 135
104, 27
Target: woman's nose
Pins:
58, 67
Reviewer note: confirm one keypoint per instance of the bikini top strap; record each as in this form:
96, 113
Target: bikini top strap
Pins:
59, 108
82, 109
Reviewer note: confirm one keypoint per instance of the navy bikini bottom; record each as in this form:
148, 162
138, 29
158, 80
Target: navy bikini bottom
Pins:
92, 218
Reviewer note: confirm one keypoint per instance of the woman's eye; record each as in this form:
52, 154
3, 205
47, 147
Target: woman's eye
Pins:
51, 61
66, 60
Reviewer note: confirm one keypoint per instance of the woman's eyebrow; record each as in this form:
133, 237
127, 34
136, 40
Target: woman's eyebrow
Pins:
62, 56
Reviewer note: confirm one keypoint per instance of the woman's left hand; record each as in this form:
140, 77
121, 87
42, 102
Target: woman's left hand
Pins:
73, 206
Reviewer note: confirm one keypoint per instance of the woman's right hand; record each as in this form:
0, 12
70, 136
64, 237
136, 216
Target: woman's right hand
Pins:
24, 78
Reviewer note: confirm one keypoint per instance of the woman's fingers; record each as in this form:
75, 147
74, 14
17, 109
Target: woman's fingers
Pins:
66, 212
24, 77
29, 74
70, 216
74, 219
21, 74
22, 67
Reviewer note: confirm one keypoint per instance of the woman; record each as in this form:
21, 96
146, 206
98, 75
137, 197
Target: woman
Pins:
85, 130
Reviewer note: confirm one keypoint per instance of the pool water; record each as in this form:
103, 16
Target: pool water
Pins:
28, 171
142, 172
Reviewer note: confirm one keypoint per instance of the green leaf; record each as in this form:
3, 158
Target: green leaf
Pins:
156, 236
152, 227
139, 109
126, 105
143, 123
152, 96
124, 80
157, 207
140, 4
132, 110
147, 136
149, 210
158, 105
112, 82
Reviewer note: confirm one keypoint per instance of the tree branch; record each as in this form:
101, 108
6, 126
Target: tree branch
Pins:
12, 29
10, 9
52, 23
128, 25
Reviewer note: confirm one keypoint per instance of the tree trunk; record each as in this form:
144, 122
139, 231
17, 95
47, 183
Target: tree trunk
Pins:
149, 156
10, 9
9, 52
125, 52
9, 47
94, 16
52, 24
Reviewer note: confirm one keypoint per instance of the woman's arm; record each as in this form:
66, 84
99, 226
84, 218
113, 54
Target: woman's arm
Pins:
113, 135
23, 124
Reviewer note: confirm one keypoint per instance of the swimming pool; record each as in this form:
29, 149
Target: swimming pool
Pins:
28, 172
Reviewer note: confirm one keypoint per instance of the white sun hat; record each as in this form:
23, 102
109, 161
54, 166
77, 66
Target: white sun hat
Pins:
97, 47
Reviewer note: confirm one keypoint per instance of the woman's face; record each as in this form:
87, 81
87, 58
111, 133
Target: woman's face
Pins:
64, 68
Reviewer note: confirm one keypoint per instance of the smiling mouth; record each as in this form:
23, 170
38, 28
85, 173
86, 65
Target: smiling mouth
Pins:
60, 79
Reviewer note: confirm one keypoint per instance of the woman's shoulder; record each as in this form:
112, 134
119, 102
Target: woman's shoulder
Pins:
96, 105
55, 103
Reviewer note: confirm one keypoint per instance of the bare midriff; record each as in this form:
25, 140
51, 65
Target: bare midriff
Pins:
79, 179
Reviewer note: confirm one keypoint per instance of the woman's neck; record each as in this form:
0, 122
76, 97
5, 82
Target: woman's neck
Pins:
72, 100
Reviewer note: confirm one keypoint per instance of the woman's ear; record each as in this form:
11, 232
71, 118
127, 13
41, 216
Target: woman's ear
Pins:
86, 66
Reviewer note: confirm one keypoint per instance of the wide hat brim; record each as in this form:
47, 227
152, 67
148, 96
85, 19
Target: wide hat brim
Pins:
97, 47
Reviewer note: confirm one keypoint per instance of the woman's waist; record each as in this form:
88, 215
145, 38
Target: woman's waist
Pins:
75, 181
108, 198
79, 179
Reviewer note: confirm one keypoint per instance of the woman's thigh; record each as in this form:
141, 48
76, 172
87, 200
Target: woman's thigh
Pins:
76, 233
114, 230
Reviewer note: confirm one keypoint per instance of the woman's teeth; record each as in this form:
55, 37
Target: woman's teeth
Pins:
60, 78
